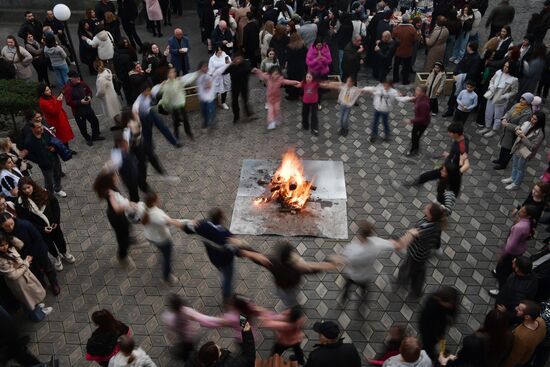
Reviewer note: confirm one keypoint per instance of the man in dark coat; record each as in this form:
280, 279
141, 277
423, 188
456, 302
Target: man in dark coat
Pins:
102, 7
351, 62
501, 15
331, 350
384, 52
239, 70
128, 12
471, 65
222, 37
179, 51
251, 40
31, 26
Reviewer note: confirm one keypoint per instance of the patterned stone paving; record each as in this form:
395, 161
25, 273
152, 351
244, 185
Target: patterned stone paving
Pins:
209, 175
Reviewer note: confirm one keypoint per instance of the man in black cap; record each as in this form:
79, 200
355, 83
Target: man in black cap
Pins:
331, 350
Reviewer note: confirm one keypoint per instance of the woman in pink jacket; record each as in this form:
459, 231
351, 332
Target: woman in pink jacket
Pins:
318, 61
154, 14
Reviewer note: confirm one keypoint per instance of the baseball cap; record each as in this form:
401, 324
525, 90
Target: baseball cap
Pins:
328, 329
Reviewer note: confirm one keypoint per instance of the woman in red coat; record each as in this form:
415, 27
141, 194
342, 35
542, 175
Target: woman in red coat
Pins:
52, 108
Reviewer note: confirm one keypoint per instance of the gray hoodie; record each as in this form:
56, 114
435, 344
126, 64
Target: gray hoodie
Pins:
395, 361
56, 55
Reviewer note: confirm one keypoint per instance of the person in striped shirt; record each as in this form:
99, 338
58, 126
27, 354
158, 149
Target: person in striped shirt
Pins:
413, 270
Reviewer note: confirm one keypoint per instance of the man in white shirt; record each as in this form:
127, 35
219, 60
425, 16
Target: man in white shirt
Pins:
360, 255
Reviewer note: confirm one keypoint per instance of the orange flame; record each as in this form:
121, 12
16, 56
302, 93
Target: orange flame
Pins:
289, 182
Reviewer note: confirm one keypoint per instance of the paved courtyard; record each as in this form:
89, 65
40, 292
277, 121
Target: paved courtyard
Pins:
208, 170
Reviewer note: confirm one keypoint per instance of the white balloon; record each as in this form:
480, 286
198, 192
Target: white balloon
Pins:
61, 12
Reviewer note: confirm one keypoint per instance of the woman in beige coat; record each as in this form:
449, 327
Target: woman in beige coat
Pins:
19, 57
20, 280
105, 91
436, 43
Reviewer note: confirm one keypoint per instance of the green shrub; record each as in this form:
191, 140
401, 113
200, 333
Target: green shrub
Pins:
16, 96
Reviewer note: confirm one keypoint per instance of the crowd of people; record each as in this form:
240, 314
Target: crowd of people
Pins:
299, 49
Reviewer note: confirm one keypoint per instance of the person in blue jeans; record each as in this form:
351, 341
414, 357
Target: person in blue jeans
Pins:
221, 247
156, 229
149, 118
384, 97
58, 59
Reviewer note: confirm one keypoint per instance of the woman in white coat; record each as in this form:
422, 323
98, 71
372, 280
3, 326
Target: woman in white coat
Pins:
19, 57
20, 280
105, 44
105, 91
222, 82
154, 14
503, 88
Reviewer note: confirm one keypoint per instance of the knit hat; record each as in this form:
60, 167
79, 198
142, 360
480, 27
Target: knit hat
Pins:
536, 101
528, 97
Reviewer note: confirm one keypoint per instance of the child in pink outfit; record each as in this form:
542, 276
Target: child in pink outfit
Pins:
288, 330
274, 80
309, 103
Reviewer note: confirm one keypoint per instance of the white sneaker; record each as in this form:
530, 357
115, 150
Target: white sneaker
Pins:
68, 257
57, 264
489, 134
319, 107
61, 194
225, 106
494, 292
265, 106
506, 180
271, 125
512, 186
483, 131
47, 310
41, 305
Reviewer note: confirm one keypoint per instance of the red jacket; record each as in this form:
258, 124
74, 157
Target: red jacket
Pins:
55, 115
422, 114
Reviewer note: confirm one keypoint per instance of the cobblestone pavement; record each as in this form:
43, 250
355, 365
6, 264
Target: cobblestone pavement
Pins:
208, 171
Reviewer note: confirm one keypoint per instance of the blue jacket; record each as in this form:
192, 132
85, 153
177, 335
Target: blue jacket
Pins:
178, 60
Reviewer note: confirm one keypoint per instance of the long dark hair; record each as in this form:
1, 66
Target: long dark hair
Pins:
106, 322
104, 182
5, 238
17, 50
495, 328
531, 212
284, 252
39, 195
541, 123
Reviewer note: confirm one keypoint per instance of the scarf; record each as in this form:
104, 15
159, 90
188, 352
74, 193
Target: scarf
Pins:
518, 109
33, 208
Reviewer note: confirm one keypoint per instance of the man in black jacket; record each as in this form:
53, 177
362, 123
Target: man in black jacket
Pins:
41, 152
471, 65
222, 37
239, 70
384, 52
351, 61
210, 354
31, 26
501, 15
128, 12
331, 350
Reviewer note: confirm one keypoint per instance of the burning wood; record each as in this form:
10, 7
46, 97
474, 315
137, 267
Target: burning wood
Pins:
288, 186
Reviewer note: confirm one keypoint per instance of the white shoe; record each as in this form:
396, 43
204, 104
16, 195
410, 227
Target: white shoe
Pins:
494, 292
41, 305
512, 186
489, 134
265, 106
47, 310
169, 178
483, 131
61, 194
506, 180
271, 125
68, 257
319, 107
57, 264
225, 106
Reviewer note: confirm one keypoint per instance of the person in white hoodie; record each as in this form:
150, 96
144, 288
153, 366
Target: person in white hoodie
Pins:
105, 45
410, 355
384, 97
130, 356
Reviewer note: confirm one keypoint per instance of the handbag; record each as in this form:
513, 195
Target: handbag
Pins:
524, 152
61, 149
489, 94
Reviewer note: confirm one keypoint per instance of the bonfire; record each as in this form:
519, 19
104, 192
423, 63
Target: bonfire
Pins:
288, 185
